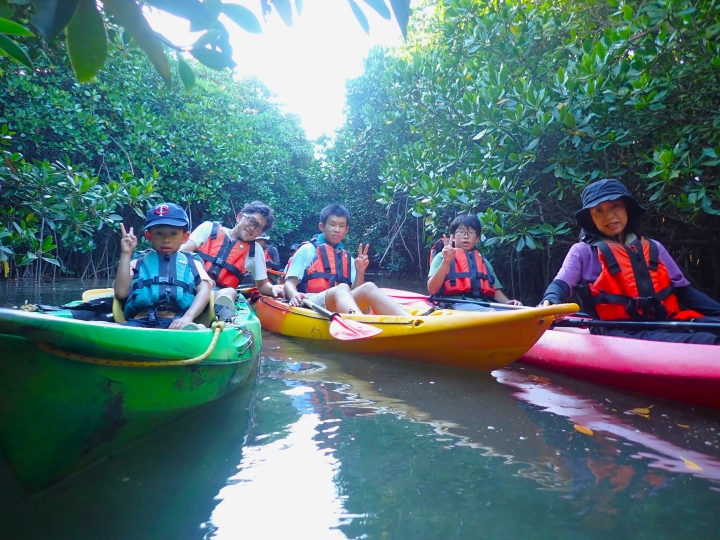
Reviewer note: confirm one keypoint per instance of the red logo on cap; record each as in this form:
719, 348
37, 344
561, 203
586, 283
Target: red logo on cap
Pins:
162, 209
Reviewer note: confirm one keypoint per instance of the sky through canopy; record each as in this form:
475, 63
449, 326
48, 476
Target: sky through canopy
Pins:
305, 65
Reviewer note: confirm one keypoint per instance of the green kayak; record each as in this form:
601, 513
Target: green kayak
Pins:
72, 392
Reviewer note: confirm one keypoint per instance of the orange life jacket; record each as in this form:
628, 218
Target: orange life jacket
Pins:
634, 284
225, 258
330, 268
436, 248
469, 276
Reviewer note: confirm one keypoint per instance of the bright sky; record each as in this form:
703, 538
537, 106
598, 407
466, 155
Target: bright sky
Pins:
306, 64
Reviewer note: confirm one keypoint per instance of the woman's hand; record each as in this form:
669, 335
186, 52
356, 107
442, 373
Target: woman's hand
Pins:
362, 261
128, 242
515, 303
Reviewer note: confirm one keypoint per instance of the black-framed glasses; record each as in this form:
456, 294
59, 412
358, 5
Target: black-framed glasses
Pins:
253, 223
465, 233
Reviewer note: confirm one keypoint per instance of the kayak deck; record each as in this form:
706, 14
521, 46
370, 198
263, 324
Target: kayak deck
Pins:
470, 340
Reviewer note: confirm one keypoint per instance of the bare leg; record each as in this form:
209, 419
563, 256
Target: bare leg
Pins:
368, 295
340, 299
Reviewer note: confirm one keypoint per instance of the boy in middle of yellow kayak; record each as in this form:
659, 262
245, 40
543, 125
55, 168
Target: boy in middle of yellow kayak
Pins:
460, 272
329, 277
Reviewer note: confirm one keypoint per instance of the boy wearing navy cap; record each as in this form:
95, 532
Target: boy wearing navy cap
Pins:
163, 287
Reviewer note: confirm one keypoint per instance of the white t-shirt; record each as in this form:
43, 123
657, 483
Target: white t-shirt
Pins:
304, 257
255, 265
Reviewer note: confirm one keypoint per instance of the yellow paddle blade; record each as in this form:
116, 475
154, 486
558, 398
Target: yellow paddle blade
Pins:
94, 294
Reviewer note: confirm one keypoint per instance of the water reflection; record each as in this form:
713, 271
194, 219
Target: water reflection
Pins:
310, 503
54, 293
161, 487
425, 452
342, 446
591, 420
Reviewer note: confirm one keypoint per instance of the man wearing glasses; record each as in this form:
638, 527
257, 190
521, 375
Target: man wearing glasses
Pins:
229, 254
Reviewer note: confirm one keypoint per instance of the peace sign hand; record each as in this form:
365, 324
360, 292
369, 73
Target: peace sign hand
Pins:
362, 261
128, 242
448, 252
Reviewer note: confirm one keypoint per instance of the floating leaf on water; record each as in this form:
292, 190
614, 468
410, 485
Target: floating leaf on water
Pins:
583, 429
690, 465
640, 411
684, 426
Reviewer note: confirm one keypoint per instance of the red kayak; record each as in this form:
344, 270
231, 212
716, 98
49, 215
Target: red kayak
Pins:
681, 372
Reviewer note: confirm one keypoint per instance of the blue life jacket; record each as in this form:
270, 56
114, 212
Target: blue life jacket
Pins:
162, 283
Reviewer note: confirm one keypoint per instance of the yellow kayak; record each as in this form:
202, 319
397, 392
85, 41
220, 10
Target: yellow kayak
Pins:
471, 340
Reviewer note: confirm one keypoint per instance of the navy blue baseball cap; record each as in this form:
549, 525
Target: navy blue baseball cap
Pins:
607, 189
166, 214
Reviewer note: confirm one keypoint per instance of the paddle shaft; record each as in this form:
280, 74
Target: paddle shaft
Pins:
495, 305
321, 310
636, 325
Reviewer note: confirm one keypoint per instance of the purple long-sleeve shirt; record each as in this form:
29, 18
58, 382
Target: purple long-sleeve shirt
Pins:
582, 266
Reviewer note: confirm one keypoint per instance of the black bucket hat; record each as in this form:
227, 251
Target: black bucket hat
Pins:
608, 189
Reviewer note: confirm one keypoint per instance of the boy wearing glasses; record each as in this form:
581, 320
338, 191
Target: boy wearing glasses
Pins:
459, 271
229, 254
328, 276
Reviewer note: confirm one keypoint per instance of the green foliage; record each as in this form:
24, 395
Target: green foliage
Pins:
212, 150
88, 49
512, 108
9, 47
87, 27
352, 172
48, 205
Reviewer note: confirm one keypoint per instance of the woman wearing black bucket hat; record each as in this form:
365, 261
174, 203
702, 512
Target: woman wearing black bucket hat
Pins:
619, 275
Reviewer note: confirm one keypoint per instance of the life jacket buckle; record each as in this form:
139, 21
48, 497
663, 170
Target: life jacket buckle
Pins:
647, 308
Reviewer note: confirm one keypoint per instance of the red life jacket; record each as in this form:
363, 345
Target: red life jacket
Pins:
225, 258
268, 258
469, 276
436, 248
634, 284
330, 268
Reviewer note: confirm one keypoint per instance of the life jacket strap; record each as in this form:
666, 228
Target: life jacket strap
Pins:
163, 280
610, 259
473, 274
218, 264
326, 273
640, 308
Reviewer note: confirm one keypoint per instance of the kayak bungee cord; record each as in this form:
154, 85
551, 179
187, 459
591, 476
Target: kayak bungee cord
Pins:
217, 327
